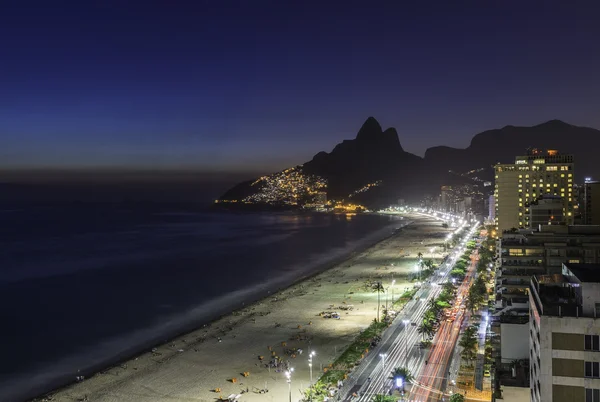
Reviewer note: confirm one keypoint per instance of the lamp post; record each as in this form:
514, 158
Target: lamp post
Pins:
406, 322
378, 299
288, 375
392, 286
310, 364
383, 356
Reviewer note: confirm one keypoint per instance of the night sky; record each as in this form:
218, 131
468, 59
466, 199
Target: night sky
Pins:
226, 86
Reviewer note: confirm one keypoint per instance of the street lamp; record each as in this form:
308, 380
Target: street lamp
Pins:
383, 356
288, 375
406, 322
310, 364
392, 286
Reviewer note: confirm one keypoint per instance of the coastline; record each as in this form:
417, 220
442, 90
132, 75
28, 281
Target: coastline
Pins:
226, 325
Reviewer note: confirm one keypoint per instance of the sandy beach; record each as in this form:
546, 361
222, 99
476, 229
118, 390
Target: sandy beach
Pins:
193, 366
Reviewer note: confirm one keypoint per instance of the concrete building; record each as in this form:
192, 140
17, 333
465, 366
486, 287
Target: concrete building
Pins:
565, 335
591, 202
527, 252
532, 176
492, 208
547, 210
447, 199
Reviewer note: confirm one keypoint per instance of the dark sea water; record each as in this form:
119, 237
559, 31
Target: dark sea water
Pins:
82, 284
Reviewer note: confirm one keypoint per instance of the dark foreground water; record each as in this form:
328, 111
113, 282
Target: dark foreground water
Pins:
82, 284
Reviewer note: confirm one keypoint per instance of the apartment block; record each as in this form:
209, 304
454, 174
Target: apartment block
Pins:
524, 253
564, 335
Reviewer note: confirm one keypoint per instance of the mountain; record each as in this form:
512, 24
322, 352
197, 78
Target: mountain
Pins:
374, 170
502, 145
373, 161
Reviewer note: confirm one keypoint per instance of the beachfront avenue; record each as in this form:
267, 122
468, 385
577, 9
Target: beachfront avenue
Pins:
400, 346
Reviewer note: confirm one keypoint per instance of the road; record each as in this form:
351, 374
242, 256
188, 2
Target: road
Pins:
432, 378
399, 346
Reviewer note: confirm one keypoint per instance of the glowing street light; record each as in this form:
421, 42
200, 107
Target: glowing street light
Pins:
383, 356
288, 375
310, 364
406, 322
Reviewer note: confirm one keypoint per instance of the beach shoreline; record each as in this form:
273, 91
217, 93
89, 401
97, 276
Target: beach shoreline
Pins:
109, 384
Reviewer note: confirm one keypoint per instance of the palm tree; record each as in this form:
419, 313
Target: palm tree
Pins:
426, 328
423, 329
429, 316
474, 299
403, 373
420, 255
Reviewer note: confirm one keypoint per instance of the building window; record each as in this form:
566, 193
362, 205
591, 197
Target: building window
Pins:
592, 395
592, 369
592, 342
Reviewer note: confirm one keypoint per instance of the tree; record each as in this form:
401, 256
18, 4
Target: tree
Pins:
426, 329
403, 373
473, 300
457, 398
468, 342
429, 316
383, 398
420, 255
448, 287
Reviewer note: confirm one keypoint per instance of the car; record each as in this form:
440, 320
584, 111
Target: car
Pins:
486, 373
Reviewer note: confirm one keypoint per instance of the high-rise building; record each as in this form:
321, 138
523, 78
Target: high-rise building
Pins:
531, 177
547, 210
447, 199
591, 202
564, 341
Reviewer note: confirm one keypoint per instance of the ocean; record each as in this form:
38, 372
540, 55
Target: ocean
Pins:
85, 284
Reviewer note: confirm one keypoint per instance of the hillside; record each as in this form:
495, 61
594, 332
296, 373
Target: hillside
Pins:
374, 170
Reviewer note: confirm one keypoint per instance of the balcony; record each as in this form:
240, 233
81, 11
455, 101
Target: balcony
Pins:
521, 262
516, 282
520, 272
506, 254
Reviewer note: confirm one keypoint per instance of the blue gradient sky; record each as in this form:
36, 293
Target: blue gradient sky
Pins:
259, 85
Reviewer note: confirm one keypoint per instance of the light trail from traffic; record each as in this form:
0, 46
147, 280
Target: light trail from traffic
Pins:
398, 345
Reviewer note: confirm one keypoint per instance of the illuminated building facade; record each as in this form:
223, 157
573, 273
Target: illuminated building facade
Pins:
529, 179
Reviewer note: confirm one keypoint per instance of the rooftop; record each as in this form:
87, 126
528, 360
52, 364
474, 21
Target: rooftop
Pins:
562, 294
585, 272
